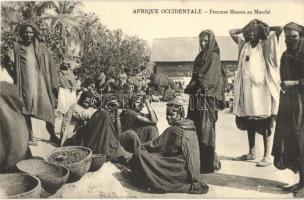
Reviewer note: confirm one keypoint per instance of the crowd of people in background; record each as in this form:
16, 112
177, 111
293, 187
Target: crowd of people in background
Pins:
114, 116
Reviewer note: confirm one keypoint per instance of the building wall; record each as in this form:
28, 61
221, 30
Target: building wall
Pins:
230, 66
184, 69
175, 69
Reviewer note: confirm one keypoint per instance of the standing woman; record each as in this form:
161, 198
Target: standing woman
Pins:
288, 143
206, 90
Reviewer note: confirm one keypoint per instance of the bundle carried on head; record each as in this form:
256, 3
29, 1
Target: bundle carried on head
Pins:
261, 28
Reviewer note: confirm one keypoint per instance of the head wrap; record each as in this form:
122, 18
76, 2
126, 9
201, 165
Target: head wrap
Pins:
201, 62
86, 94
25, 24
135, 98
213, 46
296, 27
261, 28
177, 106
111, 102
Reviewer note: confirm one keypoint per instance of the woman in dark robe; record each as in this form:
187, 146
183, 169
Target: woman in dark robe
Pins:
288, 145
143, 124
170, 163
100, 133
14, 133
206, 90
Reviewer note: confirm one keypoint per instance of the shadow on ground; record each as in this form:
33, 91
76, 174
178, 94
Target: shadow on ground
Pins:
233, 181
125, 181
221, 157
245, 183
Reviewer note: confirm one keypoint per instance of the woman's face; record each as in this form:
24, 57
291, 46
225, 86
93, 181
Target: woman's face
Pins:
172, 116
204, 42
86, 102
137, 105
291, 39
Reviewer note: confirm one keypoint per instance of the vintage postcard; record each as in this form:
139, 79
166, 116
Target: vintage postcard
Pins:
152, 99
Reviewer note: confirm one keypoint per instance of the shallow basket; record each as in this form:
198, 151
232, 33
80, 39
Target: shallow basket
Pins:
97, 162
52, 176
77, 169
20, 185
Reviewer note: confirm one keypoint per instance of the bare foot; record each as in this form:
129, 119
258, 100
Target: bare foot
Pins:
264, 162
245, 157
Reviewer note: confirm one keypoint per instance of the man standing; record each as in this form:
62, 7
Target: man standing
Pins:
257, 86
34, 72
288, 145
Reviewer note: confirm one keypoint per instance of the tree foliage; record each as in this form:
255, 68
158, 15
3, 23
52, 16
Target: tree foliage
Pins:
77, 37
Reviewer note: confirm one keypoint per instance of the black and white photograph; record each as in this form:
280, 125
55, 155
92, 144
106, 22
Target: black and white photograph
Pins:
174, 99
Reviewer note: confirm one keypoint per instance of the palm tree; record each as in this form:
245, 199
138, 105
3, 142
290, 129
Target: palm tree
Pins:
65, 16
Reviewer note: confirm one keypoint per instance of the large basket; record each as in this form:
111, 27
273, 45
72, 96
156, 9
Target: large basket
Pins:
77, 168
19, 185
52, 176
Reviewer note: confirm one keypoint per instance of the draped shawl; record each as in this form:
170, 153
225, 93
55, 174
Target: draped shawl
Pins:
208, 73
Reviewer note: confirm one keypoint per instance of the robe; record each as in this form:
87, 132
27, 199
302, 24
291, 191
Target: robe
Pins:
35, 74
288, 144
144, 132
169, 163
258, 79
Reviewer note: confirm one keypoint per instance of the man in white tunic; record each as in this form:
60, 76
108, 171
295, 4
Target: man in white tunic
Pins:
257, 84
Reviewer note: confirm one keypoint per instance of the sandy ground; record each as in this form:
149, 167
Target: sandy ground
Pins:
236, 179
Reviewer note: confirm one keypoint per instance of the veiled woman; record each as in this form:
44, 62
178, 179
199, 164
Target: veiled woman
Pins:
206, 90
288, 142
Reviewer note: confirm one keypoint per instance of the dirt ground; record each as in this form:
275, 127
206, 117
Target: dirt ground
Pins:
236, 179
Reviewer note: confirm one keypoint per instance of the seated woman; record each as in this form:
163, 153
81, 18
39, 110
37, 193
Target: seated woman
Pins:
100, 133
171, 162
143, 124
77, 115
